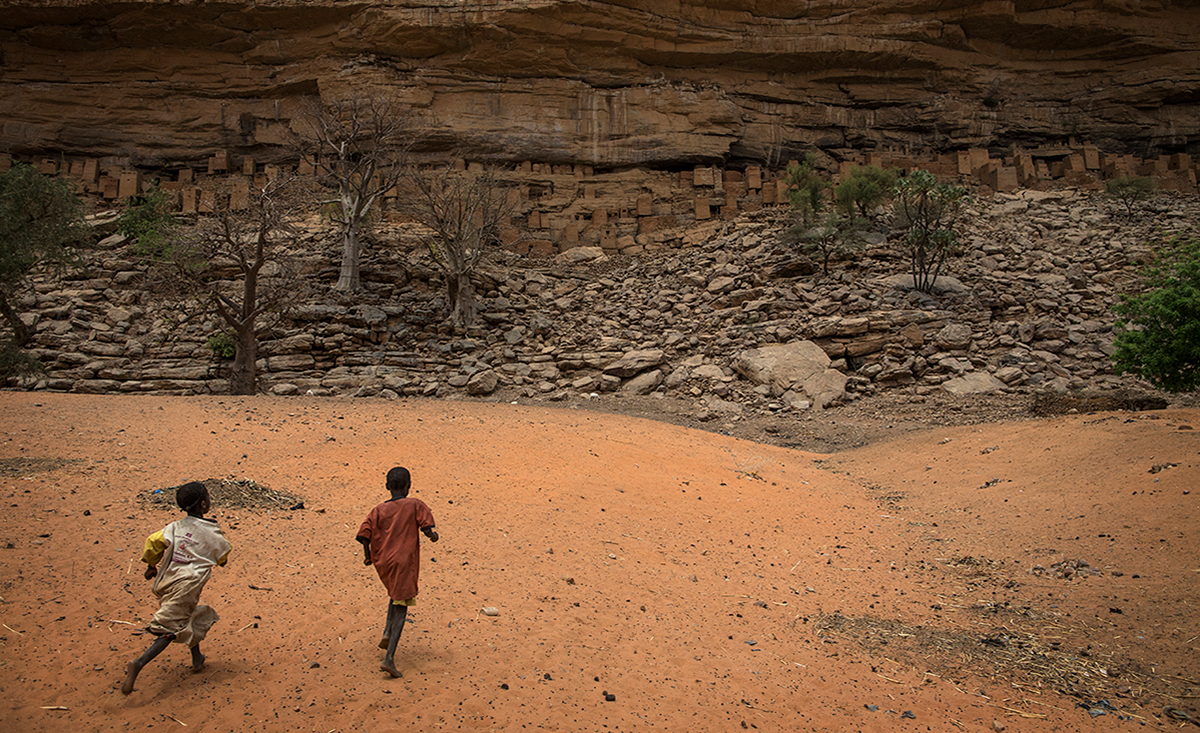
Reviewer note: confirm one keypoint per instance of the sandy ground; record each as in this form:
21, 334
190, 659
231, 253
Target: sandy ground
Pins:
706, 583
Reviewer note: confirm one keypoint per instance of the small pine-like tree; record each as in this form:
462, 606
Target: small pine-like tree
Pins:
1158, 331
805, 189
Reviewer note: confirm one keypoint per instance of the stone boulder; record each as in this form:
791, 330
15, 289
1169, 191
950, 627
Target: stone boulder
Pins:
578, 255
953, 337
635, 362
973, 383
943, 285
644, 383
798, 367
483, 382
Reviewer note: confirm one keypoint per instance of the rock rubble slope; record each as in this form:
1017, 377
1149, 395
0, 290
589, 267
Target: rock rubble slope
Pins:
719, 323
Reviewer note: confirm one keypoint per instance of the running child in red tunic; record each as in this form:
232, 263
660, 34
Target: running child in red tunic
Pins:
390, 543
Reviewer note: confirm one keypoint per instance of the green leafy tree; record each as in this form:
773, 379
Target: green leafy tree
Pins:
466, 211
926, 212
149, 221
40, 218
805, 189
835, 234
1130, 191
865, 189
1158, 331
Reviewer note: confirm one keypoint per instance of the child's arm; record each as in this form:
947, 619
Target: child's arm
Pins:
431, 533
152, 552
366, 543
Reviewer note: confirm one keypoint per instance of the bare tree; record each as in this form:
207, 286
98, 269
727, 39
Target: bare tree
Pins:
235, 264
358, 148
467, 211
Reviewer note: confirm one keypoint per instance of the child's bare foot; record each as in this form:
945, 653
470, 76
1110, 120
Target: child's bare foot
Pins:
131, 673
197, 662
383, 643
390, 668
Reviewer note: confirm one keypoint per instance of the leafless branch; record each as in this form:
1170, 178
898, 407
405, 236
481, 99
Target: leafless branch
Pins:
359, 149
466, 210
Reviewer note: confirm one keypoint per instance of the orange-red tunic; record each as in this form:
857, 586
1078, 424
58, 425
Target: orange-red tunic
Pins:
392, 533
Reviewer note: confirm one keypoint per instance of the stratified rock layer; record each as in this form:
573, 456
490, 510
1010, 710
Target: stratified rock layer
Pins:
631, 82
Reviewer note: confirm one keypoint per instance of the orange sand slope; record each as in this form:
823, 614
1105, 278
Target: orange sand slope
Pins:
705, 583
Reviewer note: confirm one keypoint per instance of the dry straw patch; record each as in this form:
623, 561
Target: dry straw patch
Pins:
1030, 654
229, 493
10, 467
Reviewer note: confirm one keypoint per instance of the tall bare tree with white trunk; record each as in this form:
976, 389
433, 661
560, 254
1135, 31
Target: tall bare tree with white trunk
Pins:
358, 149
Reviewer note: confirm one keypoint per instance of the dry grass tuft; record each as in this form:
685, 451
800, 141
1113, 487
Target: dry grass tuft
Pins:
229, 494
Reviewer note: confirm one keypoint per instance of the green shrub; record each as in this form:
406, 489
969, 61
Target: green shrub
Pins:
148, 221
865, 189
835, 234
926, 212
1158, 331
805, 189
222, 345
17, 364
40, 218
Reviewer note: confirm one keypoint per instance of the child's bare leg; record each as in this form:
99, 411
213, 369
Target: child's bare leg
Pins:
387, 628
197, 659
396, 617
133, 668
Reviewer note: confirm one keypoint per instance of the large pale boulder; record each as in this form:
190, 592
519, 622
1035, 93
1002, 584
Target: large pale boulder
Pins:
578, 255
798, 367
644, 383
634, 362
973, 383
944, 283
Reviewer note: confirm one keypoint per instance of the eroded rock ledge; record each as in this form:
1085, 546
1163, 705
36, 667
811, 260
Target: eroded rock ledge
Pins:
608, 84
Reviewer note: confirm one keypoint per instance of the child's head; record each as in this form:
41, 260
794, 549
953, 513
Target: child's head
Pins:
191, 497
398, 481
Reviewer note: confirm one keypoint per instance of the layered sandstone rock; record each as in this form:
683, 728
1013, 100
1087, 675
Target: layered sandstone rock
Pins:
609, 84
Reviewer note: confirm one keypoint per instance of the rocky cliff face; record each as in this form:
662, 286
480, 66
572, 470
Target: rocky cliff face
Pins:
626, 82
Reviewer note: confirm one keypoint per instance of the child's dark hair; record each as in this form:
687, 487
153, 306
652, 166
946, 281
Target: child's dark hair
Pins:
399, 480
190, 495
